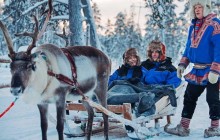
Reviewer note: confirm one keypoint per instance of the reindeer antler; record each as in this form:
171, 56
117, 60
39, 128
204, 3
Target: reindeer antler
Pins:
32, 35
36, 35
8, 40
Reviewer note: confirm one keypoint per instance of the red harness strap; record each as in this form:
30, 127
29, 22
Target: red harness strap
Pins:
64, 78
72, 63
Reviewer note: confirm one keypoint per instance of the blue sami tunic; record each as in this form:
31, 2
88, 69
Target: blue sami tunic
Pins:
203, 49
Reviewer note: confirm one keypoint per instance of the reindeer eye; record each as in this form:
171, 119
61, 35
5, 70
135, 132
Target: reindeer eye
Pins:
29, 66
33, 66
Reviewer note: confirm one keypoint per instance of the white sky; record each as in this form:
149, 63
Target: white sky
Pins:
110, 8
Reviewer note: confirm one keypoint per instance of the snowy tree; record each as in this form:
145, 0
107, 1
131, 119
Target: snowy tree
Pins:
87, 10
108, 38
109, 28
165, 19
17, 16
133, 33
119, 43
75, 19
97, 17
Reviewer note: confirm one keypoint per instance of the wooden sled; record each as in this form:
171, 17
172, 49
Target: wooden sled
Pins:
163, 109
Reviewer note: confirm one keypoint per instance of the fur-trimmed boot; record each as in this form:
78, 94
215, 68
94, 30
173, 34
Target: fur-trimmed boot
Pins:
211, 132
178, 130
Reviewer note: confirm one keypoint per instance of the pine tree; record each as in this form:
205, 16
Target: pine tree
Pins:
133, 32
120, 44
97, 17
165, 19
108, 39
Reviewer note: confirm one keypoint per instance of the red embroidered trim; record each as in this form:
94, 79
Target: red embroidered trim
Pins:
208, 21
197, 79
216, 28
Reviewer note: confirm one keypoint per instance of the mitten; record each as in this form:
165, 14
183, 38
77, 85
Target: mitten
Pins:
213, 77
134, 80
180, 71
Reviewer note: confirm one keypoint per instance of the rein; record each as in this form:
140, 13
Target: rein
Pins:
8, 108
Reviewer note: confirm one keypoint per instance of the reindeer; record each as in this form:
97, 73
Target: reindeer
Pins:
48, 74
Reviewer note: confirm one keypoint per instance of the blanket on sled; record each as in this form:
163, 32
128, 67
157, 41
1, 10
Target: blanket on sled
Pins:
142, 97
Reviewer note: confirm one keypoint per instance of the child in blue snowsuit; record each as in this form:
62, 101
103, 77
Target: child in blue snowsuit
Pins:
159, 67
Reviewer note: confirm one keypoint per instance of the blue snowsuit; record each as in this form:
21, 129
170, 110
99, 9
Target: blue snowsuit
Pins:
133, 74
162, 72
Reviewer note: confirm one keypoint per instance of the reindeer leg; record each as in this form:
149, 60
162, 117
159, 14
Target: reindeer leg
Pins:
43, 108
90, 120
101, 94
60, 106
105, 118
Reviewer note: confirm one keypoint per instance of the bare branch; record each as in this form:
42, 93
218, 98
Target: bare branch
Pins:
25, 34
64, 36
4, 61
47, 19
5, 85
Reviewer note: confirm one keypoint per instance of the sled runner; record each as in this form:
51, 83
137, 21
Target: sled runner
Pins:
124, 114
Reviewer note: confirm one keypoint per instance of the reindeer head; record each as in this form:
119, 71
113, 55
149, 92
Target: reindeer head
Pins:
23, 63
21, 70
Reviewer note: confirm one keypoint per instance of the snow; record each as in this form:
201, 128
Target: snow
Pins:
22, 122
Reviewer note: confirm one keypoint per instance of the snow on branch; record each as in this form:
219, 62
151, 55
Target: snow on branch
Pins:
63, 17
34, 6
40, 3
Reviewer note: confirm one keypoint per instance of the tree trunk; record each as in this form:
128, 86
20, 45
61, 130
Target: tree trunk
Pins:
75, 19
94, 40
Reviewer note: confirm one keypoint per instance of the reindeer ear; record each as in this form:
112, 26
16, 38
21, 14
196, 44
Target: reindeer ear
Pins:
39, 54
35, 55
43, 55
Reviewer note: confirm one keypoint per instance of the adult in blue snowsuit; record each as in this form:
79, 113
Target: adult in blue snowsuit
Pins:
203, 50
160, 68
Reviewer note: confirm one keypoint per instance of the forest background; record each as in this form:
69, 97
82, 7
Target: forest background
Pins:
80, 23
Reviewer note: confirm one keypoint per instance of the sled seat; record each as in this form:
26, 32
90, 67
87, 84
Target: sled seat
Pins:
124, 110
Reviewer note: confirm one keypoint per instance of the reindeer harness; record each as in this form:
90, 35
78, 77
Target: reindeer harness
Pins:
64, 78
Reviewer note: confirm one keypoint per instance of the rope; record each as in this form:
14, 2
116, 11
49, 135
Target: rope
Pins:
7, 109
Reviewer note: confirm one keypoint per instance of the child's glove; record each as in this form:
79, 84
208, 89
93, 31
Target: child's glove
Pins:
213, 77
180, 71
134, 80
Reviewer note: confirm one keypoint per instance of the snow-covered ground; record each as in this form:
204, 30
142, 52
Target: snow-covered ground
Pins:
22, 122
